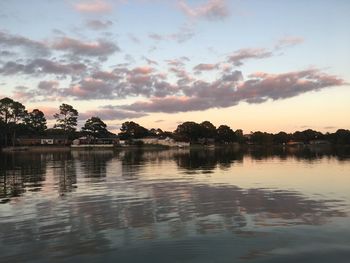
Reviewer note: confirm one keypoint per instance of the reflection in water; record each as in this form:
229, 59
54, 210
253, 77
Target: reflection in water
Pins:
159, 205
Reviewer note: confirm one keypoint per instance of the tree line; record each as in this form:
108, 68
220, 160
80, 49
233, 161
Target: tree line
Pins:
206, 132
16, 121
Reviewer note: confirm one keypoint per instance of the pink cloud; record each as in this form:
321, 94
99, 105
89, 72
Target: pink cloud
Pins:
145, 70
205, 67
241, 55
96, 6
78, 47
289, 41
211, 10
48, 111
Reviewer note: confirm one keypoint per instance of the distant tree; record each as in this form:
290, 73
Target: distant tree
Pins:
208, 130
132, 130
342, 137
225, 134
66, 119
261, 138
307, 135
95, 127
11, 114
239, 136
36, 122
156, 132
281, 138
188, 131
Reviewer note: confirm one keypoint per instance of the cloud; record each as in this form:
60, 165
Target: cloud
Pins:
48, 111
263, 86
134, 39
241, 55
150, 61
23, 93
32, 46
98, 24
45, 91
94, 6
6, 53
42, 66
211, 10
50, 89
76, 47
205, 67
145, 70
90, 88
289, 41
111, 113
330, 127
229, 90
185, 33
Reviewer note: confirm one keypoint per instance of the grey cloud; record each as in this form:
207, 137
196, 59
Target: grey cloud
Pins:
42, 66
262, 86
111, 113
98, 24
48, 87
6, 53
185, 33
134, 39
150, 61
289, 41
58, 32
10, 40
76, 47
89, 89
241, 55
211, 10
259, 88
169, 105
205, 67
23, 93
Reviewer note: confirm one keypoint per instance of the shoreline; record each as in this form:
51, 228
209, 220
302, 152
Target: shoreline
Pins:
16, 149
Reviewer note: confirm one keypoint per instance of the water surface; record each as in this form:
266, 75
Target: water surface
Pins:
175, 206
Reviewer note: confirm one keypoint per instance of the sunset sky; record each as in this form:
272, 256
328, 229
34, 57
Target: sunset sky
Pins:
254, 65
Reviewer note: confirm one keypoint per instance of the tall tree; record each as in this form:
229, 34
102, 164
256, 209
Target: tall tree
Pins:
95, 127
66, 119
36, 122
11, 114
11, 111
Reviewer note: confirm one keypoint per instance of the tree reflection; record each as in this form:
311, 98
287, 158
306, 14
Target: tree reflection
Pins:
207, 160
104, 215
20, 172
93, 163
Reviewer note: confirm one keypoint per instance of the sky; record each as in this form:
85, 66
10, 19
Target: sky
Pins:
263, 65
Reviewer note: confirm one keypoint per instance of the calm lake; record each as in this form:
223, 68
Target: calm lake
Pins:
284, 205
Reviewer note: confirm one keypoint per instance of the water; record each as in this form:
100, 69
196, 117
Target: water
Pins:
175, 206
